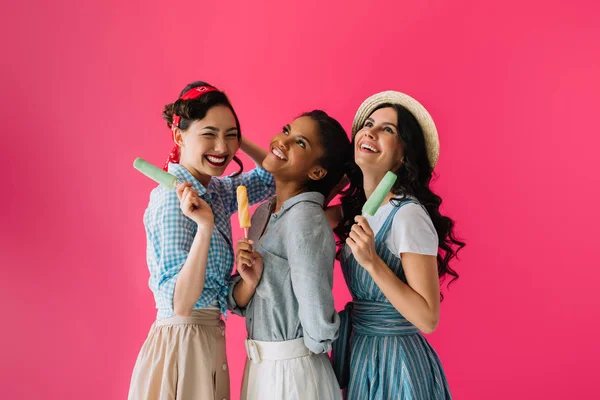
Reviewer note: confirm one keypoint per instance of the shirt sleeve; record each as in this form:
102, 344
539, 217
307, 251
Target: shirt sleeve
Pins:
172, 240
413, 232
260, 185
231, 304
311, 255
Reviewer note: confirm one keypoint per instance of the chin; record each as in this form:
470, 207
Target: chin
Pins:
268, 166
361, 162
212, 170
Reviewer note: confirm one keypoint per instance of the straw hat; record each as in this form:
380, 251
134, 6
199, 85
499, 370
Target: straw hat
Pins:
432, 142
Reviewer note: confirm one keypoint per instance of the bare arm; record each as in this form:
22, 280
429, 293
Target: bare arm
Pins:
334, 215
337, 190
190, 280
243, 293
254, 151
250, 267
419, 301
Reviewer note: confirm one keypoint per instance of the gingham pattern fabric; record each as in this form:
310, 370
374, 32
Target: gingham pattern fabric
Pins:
170, 234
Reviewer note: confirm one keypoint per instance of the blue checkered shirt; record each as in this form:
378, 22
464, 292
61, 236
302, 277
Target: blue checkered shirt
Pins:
170, 234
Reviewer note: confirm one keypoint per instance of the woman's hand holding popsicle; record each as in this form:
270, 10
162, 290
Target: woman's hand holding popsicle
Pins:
361, 239
362, 243
249, 263
243, 212
194, 207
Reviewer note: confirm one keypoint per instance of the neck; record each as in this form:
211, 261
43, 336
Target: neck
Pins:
202, 178
370, 181
285, 191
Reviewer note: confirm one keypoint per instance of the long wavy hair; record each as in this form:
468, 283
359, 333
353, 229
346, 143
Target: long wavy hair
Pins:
414, 177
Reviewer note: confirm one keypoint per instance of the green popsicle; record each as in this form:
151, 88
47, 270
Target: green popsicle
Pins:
382, 190
156, 174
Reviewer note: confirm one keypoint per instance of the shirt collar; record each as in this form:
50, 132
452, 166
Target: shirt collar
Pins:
183, 175
313, 197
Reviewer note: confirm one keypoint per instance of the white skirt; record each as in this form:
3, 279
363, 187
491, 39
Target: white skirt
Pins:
287, 371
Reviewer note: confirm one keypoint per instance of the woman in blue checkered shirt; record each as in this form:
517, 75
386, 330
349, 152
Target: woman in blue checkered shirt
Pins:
189, 249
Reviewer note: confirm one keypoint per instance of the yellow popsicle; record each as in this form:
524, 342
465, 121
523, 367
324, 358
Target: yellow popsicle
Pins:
243, 212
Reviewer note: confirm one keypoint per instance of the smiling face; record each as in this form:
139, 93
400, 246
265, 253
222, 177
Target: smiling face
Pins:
209, 144
294, 153
377, 145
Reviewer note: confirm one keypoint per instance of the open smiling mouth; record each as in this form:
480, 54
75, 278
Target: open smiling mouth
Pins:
216, 161
367, 148
278, 153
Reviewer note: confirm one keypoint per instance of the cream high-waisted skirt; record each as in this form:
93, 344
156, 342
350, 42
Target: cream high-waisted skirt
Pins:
183, 358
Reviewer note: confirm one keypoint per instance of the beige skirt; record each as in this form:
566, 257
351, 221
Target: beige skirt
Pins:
183, 358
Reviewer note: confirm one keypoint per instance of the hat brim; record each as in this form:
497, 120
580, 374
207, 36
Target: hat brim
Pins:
422, 116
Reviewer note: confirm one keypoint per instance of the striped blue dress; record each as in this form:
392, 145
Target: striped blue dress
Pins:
379, 355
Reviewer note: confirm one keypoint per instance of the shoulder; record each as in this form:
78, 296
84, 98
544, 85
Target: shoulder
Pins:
413, 231
262, 208
412, 218
308, 223
307, 213
162, 199
164, 211
411, 211
247, 177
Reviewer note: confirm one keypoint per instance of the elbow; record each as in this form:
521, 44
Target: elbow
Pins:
431, 324
184, 302
429, 329
317, 347
320, 340
181, 310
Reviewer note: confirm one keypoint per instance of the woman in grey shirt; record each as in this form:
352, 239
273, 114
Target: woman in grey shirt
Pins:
285, 273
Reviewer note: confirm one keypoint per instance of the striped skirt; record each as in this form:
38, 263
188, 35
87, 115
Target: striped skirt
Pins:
380, 355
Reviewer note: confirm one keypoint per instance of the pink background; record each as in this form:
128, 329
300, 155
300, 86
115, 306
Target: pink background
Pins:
512, 86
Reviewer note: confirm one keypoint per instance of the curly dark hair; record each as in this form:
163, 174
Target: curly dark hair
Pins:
414, 177
196, 109
337, 151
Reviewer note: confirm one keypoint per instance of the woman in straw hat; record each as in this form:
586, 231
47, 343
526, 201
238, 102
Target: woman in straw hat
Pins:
393, 261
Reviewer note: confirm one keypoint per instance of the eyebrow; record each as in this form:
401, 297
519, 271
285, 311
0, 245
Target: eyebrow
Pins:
384, 123
288, 127
212, 128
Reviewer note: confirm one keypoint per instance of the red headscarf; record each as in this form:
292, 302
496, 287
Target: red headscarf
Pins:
191, 94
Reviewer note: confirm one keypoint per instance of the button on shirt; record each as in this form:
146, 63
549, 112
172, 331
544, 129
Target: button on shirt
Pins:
294, 297
170, 234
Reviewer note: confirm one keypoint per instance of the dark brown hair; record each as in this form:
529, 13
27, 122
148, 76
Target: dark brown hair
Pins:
337, 151
414, 177
196, 109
